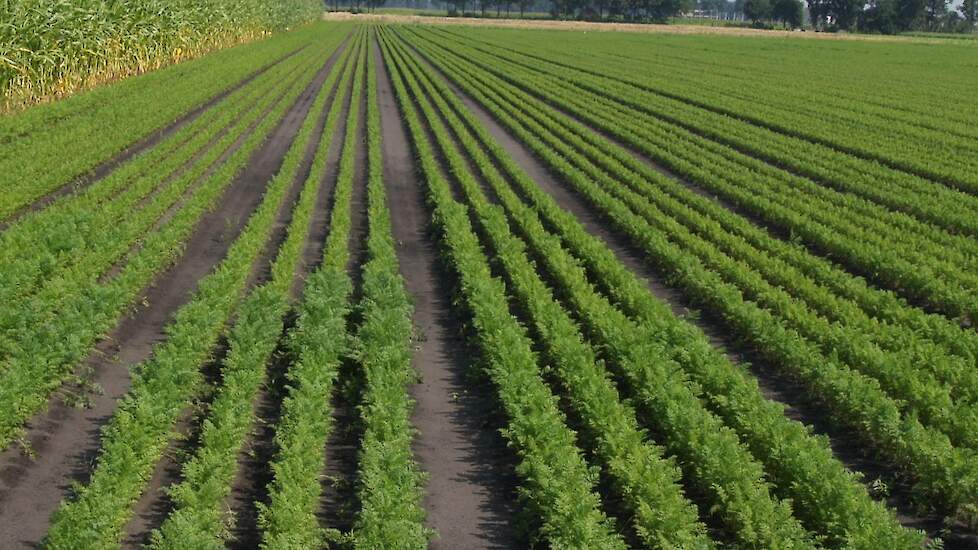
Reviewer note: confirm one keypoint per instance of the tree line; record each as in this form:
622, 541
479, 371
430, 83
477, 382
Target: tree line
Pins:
875, 16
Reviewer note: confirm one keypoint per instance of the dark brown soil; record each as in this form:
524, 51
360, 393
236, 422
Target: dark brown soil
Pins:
65, 439
469, 494
136, 148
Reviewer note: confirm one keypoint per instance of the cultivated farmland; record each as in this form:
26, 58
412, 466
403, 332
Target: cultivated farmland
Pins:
380, 285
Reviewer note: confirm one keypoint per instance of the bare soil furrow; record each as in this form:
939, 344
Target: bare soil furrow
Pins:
469, 495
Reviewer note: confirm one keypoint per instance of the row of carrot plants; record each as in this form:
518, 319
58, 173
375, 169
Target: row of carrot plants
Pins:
143, 426
895, 369
804, 467
558, 487
846, 103
653, 111
856, 400
926, 200
829, 100
66, 139
677, 198
200, 518
87, 236
106, 250
316, 344
54, 334
930, 202
43, 241
802, 215
886, 141
390, 482
896, 364
40, 244
924, 263
645, 480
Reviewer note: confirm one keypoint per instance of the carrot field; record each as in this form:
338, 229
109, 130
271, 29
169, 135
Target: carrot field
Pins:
377, 284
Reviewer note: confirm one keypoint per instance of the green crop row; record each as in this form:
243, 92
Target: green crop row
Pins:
934, 272
85, 239
200, 518
944, 474
142, 427
557, 483
389, 480
934, 154
674, 118
42, 242
801, 303
820, 476
645, 480
717, 464
66, 330
825, 495
68, 139
680, 202
732, 71
316, 345
898, 372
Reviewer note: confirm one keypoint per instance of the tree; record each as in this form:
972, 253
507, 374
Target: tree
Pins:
818, 12
969, 10
712, 5
790, 13
910, 13
661, 10
757, 10
880, 16
935, 12
457, 6
523, 4
845, 13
